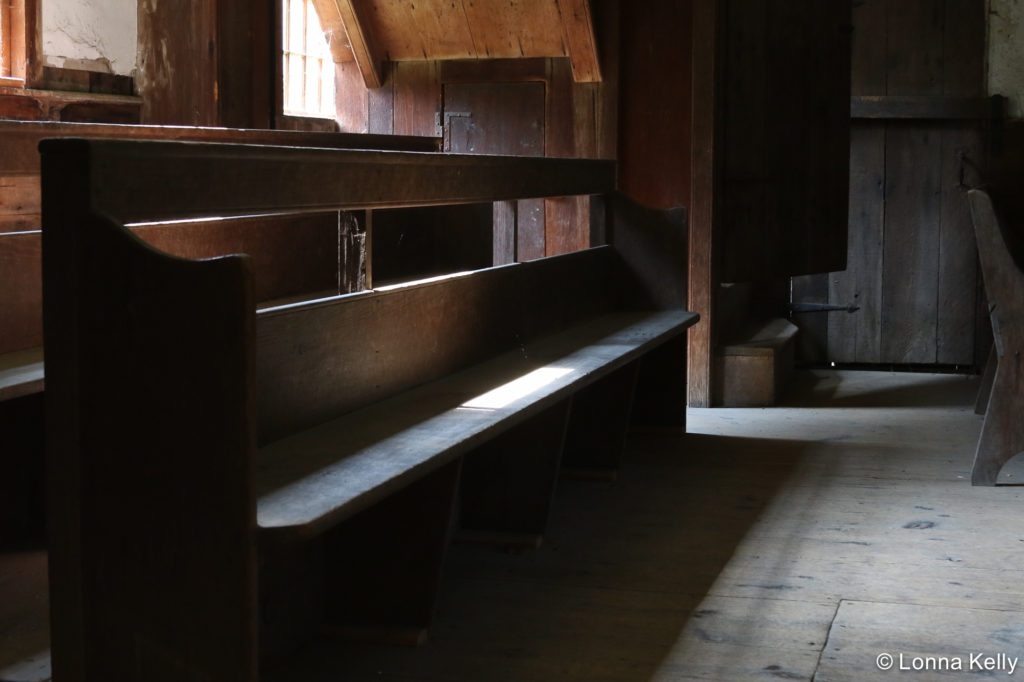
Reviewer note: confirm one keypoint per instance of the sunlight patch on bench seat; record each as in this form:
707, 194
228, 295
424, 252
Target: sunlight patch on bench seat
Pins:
505, 395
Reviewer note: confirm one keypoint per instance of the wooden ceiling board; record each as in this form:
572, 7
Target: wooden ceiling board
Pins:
446, 30
389, 21
515, 28
443, 28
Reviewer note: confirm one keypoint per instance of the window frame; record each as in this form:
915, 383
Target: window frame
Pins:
330, 23
16, 17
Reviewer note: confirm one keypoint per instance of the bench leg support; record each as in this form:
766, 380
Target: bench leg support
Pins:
1002, 435
660, 403
383, 566
598, 425
508, 484
988, 377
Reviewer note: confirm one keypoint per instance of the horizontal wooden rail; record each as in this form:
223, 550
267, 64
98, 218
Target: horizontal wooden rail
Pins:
20, 139
156, 180
920, 107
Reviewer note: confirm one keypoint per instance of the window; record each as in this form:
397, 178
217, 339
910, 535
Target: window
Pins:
308, 64
12, 42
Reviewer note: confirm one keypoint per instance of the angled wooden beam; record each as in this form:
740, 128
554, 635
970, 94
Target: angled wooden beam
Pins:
363, 48
578, 36
334, 29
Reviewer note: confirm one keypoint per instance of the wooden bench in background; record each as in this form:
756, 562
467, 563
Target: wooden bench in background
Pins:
245, 476
21, 370
1002, 398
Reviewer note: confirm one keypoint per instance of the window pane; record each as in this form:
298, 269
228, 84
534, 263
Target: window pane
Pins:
308, 63
296, 26
296, 83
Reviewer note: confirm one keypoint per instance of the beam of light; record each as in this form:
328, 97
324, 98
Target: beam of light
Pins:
506, 394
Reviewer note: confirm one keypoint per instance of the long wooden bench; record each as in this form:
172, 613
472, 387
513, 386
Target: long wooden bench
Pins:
222, 480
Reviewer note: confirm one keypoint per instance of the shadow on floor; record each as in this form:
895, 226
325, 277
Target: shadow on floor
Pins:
623, 566
830, 389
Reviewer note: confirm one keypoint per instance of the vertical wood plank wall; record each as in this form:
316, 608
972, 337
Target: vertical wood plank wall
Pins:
912, 263
578, 119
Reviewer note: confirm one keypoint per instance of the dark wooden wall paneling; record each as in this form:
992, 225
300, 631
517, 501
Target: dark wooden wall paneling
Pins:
654, 131
912, 265
785, 117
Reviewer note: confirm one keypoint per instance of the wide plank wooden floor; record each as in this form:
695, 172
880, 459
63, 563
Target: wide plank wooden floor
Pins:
792, 543
788, 543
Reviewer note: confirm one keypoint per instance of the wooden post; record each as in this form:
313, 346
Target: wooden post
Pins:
703, 276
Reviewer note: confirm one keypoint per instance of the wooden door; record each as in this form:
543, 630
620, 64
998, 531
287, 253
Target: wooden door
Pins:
501, 118
916, 140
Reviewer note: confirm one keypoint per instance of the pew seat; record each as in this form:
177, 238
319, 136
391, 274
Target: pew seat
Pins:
311, 480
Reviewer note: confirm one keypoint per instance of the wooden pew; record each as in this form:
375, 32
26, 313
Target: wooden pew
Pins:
1002, 436
219, 474
21, 367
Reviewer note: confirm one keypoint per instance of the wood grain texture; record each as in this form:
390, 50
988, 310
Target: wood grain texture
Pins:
656, 103
21, 311
914, 62
417, 100
566, 225
20, 139
910, 268
291, 255
107, 620
308, 482
731, 565
364, 45
504, 118
856, 337
703, 269
351, 99
209, 179
1002, 436
925, 640
280, 269
578, 36
177, 72
923, 60
19, 203
958, 258
410, 329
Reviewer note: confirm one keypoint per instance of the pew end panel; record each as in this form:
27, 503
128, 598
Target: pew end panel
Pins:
1002, 435
653, 245
149, 432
